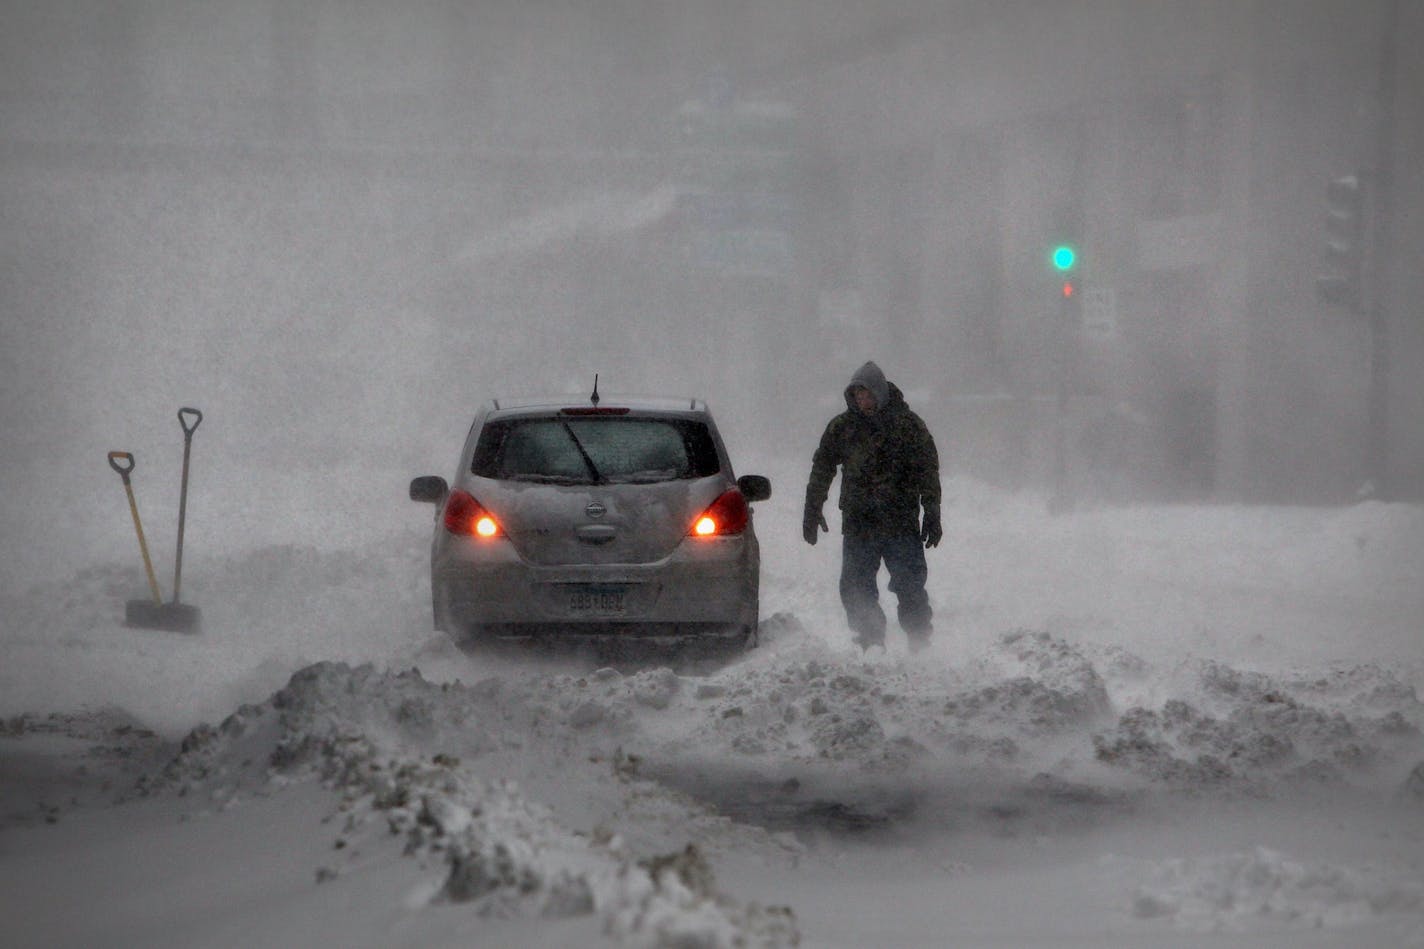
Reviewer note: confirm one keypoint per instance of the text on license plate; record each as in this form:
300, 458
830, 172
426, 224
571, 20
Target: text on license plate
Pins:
597, 599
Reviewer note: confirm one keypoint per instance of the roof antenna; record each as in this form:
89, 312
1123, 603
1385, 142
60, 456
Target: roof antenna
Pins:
594, 398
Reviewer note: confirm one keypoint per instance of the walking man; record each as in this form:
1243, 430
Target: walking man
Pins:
889, 475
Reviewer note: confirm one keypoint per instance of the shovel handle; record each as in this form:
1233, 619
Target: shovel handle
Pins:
183, 421
188, 430
117, 456
114, 458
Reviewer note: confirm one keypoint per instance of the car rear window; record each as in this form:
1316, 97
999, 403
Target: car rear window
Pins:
606, 449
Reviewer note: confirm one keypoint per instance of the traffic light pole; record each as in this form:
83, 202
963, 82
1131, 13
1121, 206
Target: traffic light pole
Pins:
1062, 499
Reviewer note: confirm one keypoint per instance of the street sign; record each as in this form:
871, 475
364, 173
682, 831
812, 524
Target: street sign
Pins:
1100, 312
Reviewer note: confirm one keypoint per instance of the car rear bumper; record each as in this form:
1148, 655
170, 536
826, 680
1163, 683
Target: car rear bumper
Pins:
652, 634
704, 586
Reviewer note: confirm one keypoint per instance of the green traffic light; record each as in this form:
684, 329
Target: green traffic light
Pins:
1063, 257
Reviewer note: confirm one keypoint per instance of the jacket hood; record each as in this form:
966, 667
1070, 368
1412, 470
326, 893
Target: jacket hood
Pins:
870, 376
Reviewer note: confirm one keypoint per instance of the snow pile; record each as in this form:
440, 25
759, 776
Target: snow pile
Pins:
1030, 700
1038, 684
369, 736
798, 702
1240, 891
672, 901
1251, 731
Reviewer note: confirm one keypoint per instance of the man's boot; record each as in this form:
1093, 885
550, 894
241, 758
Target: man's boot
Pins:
918, 639
867, 624
865, 641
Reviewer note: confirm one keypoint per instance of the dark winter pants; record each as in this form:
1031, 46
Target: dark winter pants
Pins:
905, 560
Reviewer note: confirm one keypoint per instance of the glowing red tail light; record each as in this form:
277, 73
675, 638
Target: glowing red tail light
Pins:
465, 515
728, 514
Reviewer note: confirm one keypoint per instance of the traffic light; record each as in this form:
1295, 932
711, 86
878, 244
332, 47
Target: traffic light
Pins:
1065, 261
1063, 255
1342, 258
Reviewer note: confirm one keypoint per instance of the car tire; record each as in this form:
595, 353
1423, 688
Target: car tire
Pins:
437, 622
471, 637
750, 626
439, 613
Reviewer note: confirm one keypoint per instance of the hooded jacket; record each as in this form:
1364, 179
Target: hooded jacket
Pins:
889, 465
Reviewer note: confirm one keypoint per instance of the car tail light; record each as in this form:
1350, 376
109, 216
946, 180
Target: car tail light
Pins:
727, 515
465, 515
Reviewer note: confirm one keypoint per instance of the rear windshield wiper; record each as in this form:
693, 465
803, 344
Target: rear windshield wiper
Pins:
592, 468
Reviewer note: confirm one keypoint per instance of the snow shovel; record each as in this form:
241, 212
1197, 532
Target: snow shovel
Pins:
153, 613
188, 431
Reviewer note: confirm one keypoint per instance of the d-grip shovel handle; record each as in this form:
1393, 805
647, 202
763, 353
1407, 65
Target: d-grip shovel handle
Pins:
115, 457
197, 420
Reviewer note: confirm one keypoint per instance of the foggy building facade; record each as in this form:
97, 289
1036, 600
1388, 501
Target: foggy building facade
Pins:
1189, 145
885, 182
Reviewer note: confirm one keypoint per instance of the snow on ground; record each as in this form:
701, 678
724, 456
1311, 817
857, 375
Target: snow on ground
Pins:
1139, 726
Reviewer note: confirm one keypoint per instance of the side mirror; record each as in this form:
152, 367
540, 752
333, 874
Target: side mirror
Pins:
754, 487
431, 488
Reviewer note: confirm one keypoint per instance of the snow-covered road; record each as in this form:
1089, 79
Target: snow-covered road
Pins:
1136, 726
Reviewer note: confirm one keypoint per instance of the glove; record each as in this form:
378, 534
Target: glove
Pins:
930, 529
812, 523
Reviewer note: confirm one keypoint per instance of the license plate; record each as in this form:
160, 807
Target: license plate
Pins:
597, 600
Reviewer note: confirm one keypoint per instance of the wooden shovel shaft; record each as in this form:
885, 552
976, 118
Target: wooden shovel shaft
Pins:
143, 545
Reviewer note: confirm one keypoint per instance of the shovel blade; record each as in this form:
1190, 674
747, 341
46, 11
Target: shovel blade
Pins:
174, 617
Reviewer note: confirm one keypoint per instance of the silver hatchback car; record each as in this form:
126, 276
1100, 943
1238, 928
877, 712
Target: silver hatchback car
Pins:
617, 518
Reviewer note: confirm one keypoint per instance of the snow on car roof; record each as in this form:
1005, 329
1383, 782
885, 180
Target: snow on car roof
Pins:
636, 403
